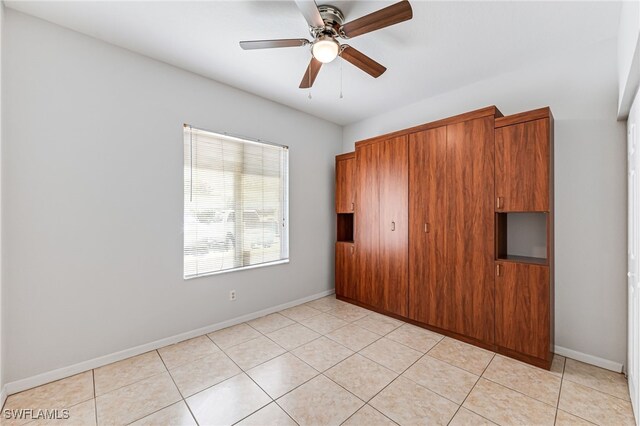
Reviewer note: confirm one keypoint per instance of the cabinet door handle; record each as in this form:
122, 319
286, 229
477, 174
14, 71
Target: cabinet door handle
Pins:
352, 249
498, 270
499, 203
353, 206
426, 228
393, 226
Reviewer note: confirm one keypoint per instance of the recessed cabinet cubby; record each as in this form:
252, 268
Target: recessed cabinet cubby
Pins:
522, 237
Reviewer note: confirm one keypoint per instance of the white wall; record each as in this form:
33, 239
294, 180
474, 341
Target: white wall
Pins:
92, 196
2, 334
590, 182
628, 55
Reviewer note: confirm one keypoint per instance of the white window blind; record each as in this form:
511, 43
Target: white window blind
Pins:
236, 203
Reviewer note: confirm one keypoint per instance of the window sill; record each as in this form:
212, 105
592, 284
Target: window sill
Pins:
244, 268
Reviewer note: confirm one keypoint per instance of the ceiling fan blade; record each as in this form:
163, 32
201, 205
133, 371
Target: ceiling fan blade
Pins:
390, 15
311, 73
270, 44
362, 61
310, 12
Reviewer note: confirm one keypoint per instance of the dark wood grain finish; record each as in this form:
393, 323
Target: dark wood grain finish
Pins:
522, 167
490, 111
367, 227
470, 227
523, 309
523, 117
345, 184
379, 19
345, 270
428, 289
394, 218
362, 61
311, 73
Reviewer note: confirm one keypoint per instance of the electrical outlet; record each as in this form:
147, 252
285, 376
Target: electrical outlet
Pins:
232, 295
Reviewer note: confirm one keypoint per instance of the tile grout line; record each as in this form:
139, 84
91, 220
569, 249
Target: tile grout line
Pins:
95, 398
471, 390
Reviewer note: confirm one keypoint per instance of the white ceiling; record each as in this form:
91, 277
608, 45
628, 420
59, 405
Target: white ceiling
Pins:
446, 45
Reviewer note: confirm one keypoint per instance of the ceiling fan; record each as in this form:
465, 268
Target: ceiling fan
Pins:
326, 25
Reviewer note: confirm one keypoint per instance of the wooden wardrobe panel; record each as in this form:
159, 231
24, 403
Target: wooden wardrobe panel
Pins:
523, 309
394, 218
470, 227
345, 270
345, 185
428, 290
522, 166
367, 228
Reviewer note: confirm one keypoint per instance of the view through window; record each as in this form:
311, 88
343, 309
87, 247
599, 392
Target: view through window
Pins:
235, 203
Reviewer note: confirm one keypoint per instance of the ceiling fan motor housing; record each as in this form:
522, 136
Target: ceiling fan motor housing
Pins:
333, 18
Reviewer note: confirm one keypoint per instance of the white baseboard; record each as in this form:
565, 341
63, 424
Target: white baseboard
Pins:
589, 359
61, 373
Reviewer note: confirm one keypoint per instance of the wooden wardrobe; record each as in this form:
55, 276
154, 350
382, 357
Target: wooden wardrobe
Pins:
423, 222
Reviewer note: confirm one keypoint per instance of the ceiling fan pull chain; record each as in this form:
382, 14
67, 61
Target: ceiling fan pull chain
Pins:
341, 77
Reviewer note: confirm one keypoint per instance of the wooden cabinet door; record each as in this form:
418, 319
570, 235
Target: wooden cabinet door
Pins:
345, 185
367, 228
394, 218
429, 300
470, 227
522, 166
523, 308
345, 267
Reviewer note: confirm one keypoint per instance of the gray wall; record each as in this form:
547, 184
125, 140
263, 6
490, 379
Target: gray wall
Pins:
92, 198
590, 182
3, 346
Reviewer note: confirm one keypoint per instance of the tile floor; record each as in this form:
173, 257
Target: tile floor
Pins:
327, 362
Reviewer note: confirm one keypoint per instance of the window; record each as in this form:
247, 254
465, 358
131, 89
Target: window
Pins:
236, 203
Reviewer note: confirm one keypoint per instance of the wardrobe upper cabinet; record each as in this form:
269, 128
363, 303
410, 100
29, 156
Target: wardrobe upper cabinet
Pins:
522, 166
345, 183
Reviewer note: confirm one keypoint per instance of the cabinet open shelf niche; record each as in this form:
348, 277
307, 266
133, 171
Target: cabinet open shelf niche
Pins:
522, 237
345, 228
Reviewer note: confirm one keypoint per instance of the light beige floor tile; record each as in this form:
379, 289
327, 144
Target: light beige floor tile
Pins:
83, 414
322, 353
203, 373
174, 415
136, 401
270, 323
379, 324
231, 336
416, 338
557, 365
462, 355
323, 323
320, 402
353, 337
594, 406
390, 354
228, 402
565, 419
281, 374
505, 406
408, 403
59, 394
271, 415
368, 416
531, 381
127, 371
187, 351
325, 304
444, 379
465, 417
348, 312
254, 352
300, 312
361, 376
606, 381
293, 336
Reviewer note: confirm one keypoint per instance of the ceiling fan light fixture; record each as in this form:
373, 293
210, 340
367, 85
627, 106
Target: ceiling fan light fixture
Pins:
325, 49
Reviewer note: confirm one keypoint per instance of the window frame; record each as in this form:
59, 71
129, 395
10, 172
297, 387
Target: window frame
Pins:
284, 201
